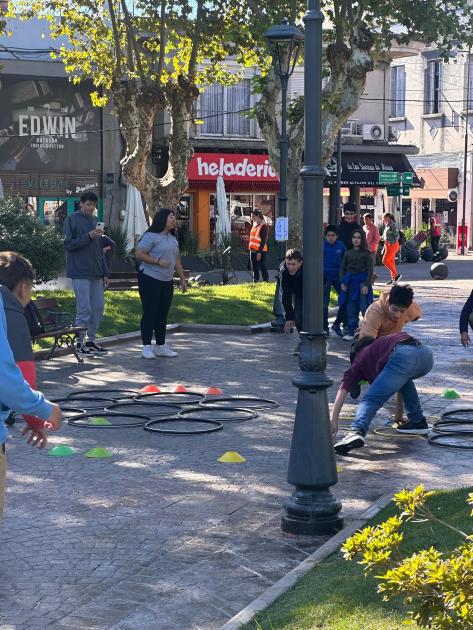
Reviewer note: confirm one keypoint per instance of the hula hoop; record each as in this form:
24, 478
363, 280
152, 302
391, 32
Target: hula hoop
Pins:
454, 412
241, 414
435, 441
79, 422
391, 432
167, 408
449, 428
197, 397
99, 404
215, 426
96, 393
241, 402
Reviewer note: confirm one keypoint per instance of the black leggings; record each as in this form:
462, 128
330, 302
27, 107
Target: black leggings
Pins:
258, 265
156, 298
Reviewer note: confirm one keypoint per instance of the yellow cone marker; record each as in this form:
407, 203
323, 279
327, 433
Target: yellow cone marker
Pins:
99, 422
231, 457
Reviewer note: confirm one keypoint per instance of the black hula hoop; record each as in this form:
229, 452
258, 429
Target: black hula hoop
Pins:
241, 414
79, 422
242, 402
198, 396
152, 410
434, 440
449, 427
95, 393
449, 416
215, 426
99, 403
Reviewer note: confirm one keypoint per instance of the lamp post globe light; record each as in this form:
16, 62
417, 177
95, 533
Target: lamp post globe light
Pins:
284, 40
312, 509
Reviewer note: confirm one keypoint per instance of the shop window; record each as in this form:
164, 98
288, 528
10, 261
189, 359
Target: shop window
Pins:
54, 212
224, 110
433, 87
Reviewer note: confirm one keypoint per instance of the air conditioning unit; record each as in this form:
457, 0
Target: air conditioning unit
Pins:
372, 131
351, 128
452, 195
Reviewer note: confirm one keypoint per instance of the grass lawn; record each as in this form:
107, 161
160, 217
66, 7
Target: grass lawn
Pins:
336, 595
242, 304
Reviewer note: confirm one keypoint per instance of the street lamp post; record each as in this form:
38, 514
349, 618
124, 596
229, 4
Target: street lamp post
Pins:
284, 40
312, 509
465, 154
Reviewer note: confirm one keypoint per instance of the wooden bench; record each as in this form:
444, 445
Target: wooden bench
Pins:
59, 325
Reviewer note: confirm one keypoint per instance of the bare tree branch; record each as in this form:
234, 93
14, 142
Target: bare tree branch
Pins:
162, 39
132, 40
196, 40
116, 38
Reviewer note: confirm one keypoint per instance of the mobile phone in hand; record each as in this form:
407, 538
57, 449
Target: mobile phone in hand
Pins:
100, 225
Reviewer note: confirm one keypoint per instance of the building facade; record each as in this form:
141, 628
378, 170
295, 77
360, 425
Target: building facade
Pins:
432, 107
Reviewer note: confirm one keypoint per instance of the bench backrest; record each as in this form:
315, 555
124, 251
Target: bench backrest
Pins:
47, 308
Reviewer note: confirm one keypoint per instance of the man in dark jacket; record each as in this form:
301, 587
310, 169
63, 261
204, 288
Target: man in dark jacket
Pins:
348, 224
291, 288
86, 266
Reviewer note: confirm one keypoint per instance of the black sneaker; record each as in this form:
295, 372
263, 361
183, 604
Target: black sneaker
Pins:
10, 421
397, 278
337, 330
419, 428
82, 349
94, 347
352, 440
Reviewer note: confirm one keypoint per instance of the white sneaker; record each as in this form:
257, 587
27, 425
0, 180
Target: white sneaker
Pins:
348, 337
164, 351
148, 353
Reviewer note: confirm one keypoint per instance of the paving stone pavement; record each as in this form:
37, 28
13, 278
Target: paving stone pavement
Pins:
163, 536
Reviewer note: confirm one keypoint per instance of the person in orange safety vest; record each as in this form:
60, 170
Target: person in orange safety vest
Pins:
258, 245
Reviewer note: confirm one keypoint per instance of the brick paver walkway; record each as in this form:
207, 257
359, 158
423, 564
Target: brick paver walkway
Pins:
162, 536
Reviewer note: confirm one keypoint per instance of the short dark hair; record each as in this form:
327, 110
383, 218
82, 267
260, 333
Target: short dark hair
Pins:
294, 254
88, 195
401, 295
349, 206
368, 215
257, 213
15, 269
358, 345
331, 228
159, 221
388, 215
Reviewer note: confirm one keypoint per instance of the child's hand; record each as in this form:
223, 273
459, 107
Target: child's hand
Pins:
37, 437
364, 290
343, 287
289, 326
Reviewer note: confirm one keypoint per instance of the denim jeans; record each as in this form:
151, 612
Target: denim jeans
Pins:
405, 364
354, 306
328, 284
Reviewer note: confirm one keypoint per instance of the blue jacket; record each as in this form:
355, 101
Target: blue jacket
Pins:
333, 255
15, 393
84, 255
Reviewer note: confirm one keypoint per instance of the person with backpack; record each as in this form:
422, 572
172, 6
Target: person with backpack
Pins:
391, 246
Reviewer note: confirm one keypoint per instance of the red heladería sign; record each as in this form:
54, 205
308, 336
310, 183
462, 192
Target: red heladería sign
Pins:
232, 167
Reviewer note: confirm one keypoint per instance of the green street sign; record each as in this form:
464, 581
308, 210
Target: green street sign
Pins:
393, 190
406, 190
388, 177
407, 178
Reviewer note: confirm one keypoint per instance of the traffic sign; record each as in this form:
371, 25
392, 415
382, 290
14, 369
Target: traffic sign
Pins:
388, 177
393, 190
282, 229
408, 177
406, 190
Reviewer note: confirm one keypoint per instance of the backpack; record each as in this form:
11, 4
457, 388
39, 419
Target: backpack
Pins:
33, 318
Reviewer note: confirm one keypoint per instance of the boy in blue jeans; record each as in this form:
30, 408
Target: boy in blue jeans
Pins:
333, 255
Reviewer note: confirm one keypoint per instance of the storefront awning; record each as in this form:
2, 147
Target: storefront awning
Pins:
362, 169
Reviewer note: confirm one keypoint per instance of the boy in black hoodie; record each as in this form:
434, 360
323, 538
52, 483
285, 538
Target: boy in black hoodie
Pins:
291, 287
348, 224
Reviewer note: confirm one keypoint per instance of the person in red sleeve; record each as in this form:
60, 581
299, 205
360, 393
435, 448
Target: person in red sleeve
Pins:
435, 231
16, 280
390, 364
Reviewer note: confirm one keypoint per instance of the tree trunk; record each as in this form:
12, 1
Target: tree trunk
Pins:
137, 107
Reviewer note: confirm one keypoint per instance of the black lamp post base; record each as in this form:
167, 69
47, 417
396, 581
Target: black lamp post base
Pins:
312, 513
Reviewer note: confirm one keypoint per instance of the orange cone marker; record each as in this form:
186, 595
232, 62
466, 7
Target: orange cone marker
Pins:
150, 389
180, 389
213, 391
